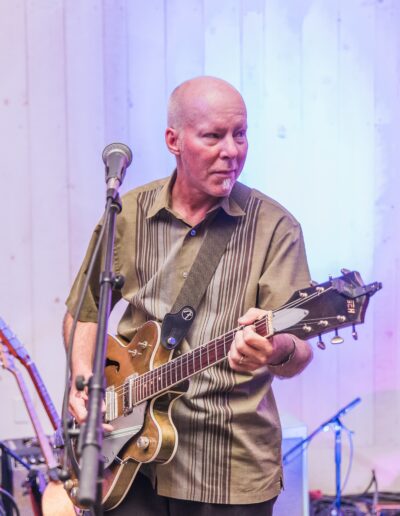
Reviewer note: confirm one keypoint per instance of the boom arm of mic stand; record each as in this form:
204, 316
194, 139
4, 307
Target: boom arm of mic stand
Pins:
91, 461
321, 427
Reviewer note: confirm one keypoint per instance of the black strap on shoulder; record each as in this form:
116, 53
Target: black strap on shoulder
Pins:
176, 323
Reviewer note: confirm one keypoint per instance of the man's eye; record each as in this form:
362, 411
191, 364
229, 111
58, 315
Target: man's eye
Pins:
211, 135
240, 134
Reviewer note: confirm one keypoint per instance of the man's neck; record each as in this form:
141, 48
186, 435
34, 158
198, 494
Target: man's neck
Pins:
191, 205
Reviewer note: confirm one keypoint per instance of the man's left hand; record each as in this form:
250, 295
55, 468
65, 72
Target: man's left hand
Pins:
249, 350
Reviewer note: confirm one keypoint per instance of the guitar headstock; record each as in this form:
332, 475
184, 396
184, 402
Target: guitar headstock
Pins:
14, 346
6, 359
323, 308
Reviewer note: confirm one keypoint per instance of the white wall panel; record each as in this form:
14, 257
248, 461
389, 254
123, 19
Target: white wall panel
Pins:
16, 205
85, 114
222, 40
47, 137
147, 91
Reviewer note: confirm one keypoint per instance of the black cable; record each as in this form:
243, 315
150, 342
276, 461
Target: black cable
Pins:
11, 499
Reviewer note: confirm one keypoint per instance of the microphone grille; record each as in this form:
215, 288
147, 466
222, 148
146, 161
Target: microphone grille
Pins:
117, 148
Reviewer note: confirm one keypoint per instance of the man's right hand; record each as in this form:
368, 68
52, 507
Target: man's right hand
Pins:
78, 407
77, 404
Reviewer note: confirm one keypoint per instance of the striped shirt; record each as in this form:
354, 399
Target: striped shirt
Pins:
229, 431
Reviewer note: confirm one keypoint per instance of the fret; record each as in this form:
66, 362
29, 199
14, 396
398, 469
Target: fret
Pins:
162, 374
169, 370
159, 382
151, 382
141, 393
174, 375
204, 361
194, 370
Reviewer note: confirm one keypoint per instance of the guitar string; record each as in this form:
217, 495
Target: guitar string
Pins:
197, 355
198, 352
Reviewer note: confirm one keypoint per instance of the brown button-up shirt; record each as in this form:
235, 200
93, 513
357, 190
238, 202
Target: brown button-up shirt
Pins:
229, 431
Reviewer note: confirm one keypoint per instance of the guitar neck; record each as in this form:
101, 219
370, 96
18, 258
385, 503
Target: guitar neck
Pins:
16, 349
41, 436
316, 310
43, 394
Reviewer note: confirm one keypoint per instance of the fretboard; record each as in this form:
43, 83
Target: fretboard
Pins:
44, 395
186, 365
41, 436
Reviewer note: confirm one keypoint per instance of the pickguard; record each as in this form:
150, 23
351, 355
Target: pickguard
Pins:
125, 427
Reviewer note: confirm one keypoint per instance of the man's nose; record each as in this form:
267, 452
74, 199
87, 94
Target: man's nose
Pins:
229, 148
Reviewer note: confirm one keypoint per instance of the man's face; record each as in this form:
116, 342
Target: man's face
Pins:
213, 144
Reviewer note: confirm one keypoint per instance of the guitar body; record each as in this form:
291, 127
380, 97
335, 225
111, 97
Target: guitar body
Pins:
145, 433
56, 501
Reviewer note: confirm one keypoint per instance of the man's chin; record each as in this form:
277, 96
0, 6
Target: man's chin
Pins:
224, 188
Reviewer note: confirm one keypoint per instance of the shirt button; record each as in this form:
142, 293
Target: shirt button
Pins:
193, 232
185, 274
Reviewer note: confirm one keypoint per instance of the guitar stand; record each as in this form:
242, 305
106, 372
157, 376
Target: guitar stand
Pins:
337, 425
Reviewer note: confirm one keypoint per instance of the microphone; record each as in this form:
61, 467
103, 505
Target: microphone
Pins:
117, 157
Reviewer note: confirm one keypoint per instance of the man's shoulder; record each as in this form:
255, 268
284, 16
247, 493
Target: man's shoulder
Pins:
272, 208
152, 186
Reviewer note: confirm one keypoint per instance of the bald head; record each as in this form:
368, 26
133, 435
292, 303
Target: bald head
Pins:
192, 96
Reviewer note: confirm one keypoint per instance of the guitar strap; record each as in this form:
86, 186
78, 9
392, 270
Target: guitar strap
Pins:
177, 322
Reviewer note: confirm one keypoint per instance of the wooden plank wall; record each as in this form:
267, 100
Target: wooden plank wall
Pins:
321, 81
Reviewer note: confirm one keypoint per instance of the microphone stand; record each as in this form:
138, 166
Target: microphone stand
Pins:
92, 464
337, 426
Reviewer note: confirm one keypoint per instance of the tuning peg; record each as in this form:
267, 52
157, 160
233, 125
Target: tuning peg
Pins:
344, 271
354, 333
313, 283
337, 339
321, 344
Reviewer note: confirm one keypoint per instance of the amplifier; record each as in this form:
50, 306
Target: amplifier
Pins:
14, 476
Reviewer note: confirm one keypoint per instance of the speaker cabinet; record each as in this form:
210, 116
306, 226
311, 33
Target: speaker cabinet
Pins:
293, 501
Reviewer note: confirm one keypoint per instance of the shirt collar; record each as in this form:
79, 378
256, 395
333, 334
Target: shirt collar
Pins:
163, 202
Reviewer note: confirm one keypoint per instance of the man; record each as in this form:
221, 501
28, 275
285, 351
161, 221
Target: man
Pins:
229, 455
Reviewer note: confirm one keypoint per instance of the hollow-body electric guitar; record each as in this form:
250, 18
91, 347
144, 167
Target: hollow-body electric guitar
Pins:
143, 380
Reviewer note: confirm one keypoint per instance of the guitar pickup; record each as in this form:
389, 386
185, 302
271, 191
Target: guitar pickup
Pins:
128, 390
111, 403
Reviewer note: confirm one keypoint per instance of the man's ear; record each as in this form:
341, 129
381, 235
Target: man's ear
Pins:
172, 140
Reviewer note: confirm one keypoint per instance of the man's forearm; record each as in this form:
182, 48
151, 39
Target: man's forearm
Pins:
298, 359
84, 343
